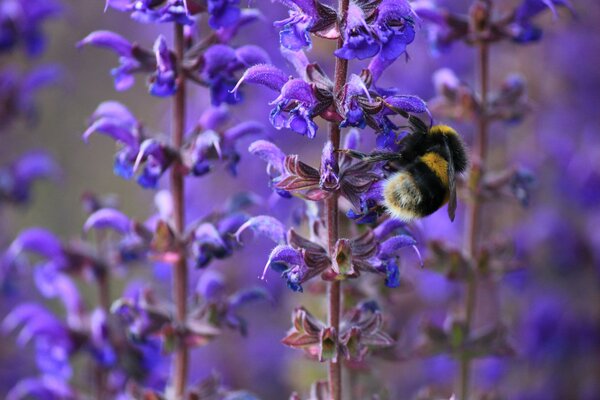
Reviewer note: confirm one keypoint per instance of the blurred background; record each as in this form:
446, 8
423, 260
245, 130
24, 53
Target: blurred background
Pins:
550, 302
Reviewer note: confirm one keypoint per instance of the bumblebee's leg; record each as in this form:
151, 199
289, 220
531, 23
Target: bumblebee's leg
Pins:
374, 156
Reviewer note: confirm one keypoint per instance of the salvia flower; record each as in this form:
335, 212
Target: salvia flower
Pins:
361, 330
159, 64
223, 13
18, 91
362, 104
21, 23
299, 259
44, 387
17, 178
523, 30
222, 309
114, 120
300, 100
220, 63
153, 11
385, 30
292, 176
164, 81
305, 17
214, 140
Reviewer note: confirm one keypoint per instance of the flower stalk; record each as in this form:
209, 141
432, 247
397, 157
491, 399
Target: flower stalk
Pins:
331, 210
473, 212
180, 278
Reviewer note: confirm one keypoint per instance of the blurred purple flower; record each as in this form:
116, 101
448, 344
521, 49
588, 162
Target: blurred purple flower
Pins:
223, 13
18, 90
221, 63
114, 120
153, 11
17, 178
213, 140
522, 29
47, 386
164, 81
159, 64
216, 240
21, 20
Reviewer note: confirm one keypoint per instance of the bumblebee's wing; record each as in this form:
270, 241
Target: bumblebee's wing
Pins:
451, 183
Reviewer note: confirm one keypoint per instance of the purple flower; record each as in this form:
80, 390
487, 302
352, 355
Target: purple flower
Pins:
223, 13
293, 106
18, 90
223, 309
45, 387
133, 59
17, 178
386, 32
523, 30
114, 120
299, 259
52, 338
151, 11
164, 81
221, 63
21, 20
359, 39
216, 240
275, 158
213, 141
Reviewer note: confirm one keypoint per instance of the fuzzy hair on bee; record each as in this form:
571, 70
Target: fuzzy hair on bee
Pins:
421, 178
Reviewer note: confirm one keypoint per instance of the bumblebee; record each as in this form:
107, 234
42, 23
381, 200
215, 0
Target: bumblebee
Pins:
421, 177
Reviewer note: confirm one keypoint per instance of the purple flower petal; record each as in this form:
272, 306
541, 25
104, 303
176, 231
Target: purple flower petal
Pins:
116, 111
39, 241
214, 117
393, 245
242, 129
108, 218
35, 165
250, 55
264, 74
211, 285
270, 153
407, 103
113, 129
109, 40
264, 225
